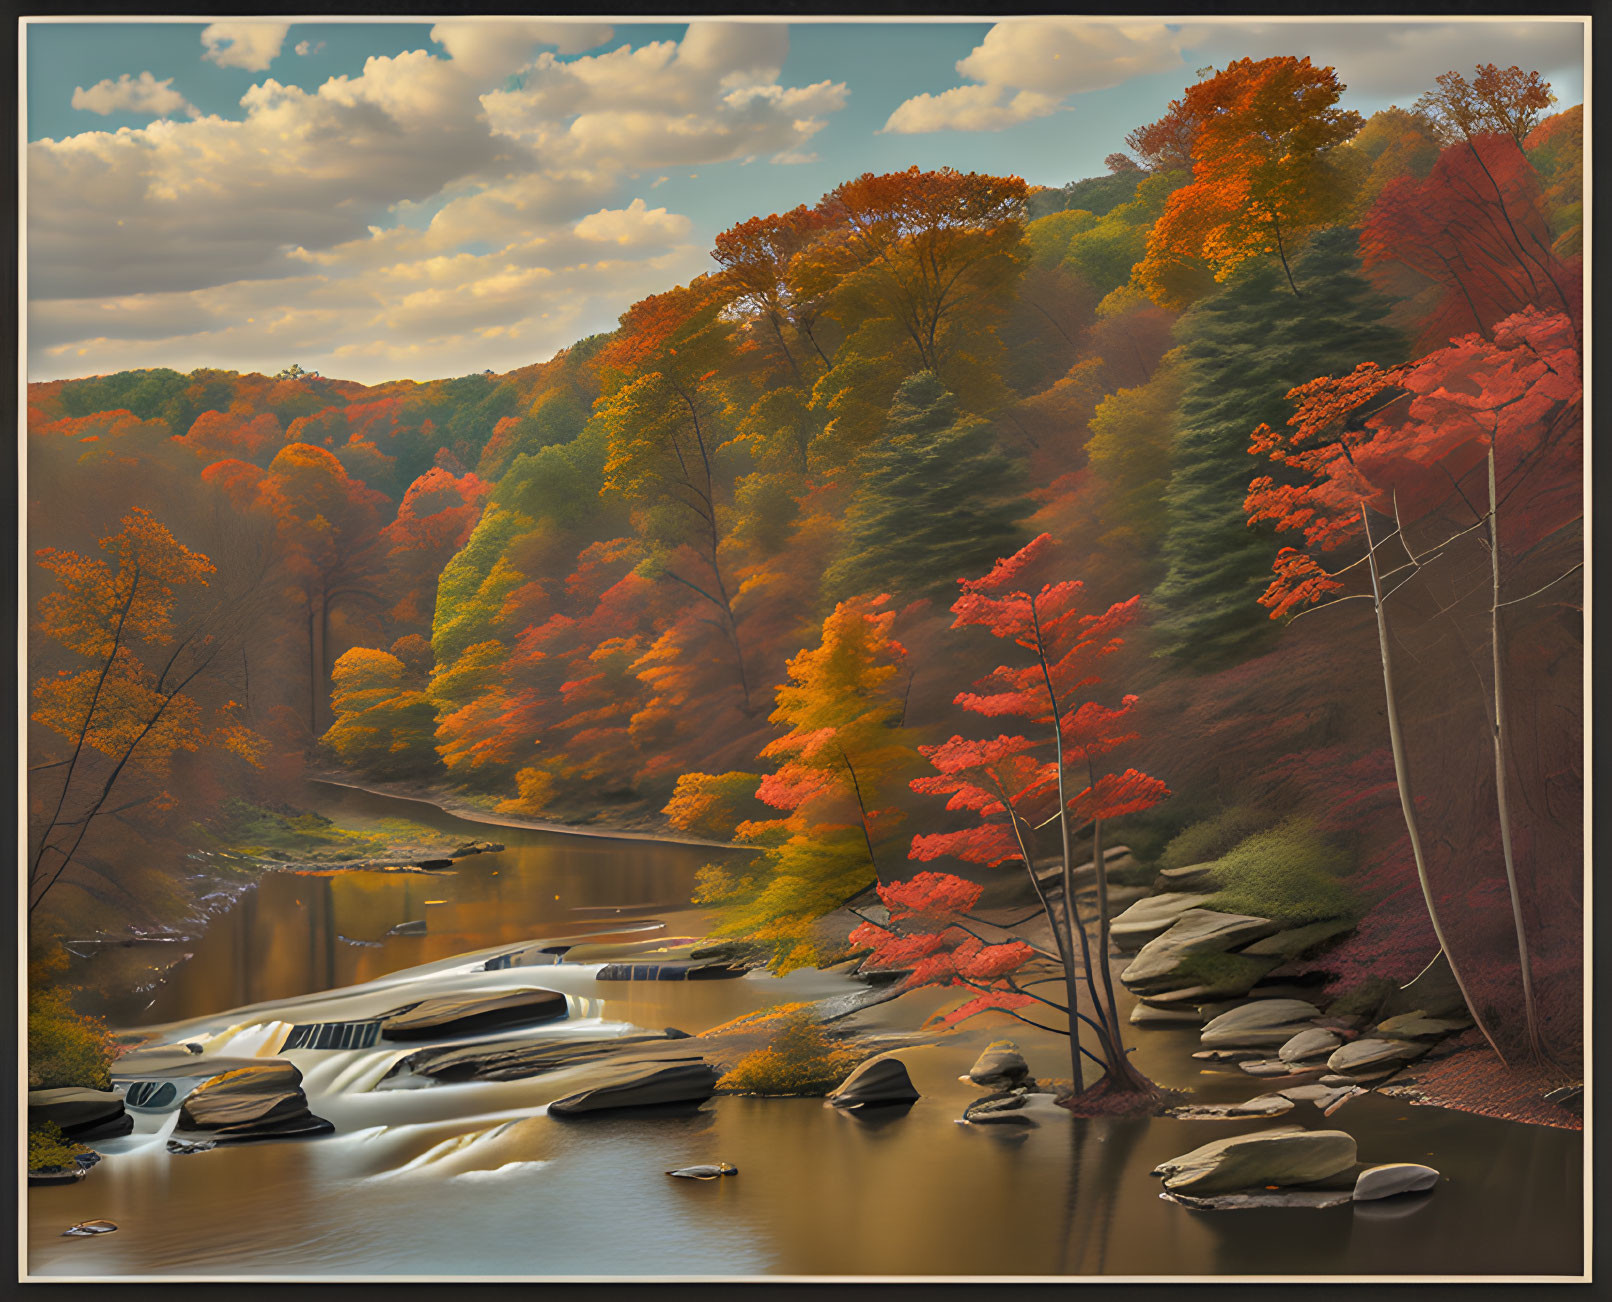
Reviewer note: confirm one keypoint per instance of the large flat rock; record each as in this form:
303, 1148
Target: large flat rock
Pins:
641, 1085
461, 1014
509, 1059
1197, 931
81, 1114
1259, 1024
1371, 1053
1152, 917
1287, 1155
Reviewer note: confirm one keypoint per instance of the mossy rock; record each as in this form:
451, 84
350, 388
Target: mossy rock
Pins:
1299, 941
1222, 976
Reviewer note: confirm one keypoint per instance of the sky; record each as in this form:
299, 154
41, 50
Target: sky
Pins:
382, 200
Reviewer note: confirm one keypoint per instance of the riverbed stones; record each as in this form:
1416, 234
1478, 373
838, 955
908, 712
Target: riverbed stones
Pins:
1152, 917
460, 1014
879, 1080
1262, 1023
705, 1171
1264, 1105
1313, 1043
1001, 1065
1197, 931
1284, 1156
1371, 1053
641, 1085
82, 1114
1417, 1024
1391, 1178
261, 1101
507, 1059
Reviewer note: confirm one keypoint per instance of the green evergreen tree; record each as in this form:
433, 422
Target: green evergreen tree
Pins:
935, 498
1245, 348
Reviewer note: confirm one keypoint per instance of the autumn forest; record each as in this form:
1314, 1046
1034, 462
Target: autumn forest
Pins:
987, 577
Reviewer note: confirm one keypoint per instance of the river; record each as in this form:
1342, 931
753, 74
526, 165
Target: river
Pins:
475, 1180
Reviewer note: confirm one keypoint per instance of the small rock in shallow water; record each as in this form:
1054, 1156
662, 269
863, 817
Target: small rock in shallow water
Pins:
1393, 1178
1288, 1155
1335, 1080
1000, 1064
705, 1172
1374, 1053
1265, 1022
84, 1228
882, 1079
1266, 1105
185, 1147
1267, 1067
1313, 1043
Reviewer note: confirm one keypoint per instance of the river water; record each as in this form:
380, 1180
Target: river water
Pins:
475, 1179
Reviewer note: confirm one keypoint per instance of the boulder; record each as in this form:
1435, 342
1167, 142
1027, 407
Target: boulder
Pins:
706, 1172
1192, 877
641, 1085
1393, 1178
1285, 1156
1143, 1014
82, 1114
1151, 917
262, 1101
1313, 1043
507, 1059
1019, 1108
1000, 1065
1262, 1023
1197, 931
1297, 941
1414, 1025
882, 1079
1371, 1053
461, 1014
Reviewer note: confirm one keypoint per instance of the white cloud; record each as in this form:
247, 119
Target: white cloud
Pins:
305, 48
144, 95
494, 50
1026, 69
412, 218
252, 46
636, 224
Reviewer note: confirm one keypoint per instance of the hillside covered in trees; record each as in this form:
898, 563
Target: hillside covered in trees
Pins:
1291, 397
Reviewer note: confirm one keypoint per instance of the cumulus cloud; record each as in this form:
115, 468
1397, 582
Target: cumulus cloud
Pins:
1026, 69
1391, 61
494, 50
252, 46
426, 216
305, 48
143, 95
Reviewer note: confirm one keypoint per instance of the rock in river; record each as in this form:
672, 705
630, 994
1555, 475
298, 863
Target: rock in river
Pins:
82, 1114
84, 1228
1371, 1052
882, 1079
262, 1101
485, 1011
641, 1085
507, 1059
1018, 1107
1313, 1043
705, 1172
1000, 1065
1264, 1105
1197, 931
1393, 1178
1264, 1022
1151, 917
1286, 1156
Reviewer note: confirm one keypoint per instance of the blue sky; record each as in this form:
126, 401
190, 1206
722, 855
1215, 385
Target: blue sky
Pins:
376, 200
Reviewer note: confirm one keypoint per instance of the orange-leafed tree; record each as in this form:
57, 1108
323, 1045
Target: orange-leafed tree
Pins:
1264, 173
839, 758
148, 649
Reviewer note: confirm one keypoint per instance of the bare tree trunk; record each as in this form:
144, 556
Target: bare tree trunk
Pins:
1407, 802
1502, 796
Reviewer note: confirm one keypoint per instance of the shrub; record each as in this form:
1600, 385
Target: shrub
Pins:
712, 805
1287, 874
1212, 837
801, 1060
64, 1047
50, 1150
